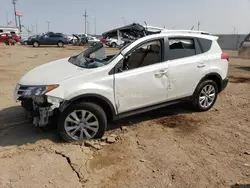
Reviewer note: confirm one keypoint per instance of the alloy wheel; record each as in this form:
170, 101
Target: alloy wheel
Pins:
207, 96
81, 124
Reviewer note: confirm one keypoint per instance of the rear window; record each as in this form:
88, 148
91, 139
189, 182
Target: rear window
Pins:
181, 47
205, 44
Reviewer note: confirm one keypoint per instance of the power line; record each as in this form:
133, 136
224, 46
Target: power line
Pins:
85, 15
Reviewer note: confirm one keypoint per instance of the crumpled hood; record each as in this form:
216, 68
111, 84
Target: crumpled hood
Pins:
51, 73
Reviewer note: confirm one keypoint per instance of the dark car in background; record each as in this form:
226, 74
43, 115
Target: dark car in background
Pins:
24, 40
50, 38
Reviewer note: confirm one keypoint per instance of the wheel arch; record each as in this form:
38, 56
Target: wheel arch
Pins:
60, 41
100, 100
215, 77
36, 41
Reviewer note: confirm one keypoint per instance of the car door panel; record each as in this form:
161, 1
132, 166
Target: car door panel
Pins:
186, 64
183, 75
141, 87
43, 40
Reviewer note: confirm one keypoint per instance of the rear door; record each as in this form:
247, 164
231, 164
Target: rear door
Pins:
55, 38
186, 64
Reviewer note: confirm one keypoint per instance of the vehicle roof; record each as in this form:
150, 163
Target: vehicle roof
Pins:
168, 34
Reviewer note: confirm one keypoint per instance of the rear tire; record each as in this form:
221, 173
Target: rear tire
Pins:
73, 122
205, 95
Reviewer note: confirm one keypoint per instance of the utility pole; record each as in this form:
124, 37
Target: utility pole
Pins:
85, 15
32, 26
88, 27
14, 6
7, 19
199, 23
95, 25
20, 25
234, 30
48, 25
36, 29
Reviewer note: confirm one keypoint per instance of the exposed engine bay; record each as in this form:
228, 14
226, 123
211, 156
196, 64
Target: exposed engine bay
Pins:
39, 107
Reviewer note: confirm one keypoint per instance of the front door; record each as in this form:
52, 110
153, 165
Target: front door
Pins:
142, 80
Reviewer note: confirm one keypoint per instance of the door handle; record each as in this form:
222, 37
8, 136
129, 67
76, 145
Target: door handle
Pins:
200, 65
161, 73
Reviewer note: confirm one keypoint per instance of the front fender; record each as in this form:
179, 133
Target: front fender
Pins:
70, 92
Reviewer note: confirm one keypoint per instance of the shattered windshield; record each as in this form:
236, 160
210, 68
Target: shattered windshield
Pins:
93, 57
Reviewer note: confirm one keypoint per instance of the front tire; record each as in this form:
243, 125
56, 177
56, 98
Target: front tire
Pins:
60, 44
36, 44
82, 121
113, 45
205, 95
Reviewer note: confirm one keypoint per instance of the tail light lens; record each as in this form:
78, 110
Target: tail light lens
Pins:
225, 56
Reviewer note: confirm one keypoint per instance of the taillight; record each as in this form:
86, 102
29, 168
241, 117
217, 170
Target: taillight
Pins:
225, 56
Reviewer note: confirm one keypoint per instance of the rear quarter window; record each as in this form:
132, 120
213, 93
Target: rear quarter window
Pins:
205, 44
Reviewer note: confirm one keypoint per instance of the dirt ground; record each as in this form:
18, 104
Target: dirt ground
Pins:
170, 147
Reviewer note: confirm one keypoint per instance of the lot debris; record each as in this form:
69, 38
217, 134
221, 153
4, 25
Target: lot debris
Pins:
247, 152
98, 144
93, 144
124, 129
104, 138
103, 144
111, 139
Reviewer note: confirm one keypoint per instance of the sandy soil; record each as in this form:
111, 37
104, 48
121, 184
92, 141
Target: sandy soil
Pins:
170, 147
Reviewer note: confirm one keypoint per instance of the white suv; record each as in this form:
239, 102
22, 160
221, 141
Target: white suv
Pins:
84, 92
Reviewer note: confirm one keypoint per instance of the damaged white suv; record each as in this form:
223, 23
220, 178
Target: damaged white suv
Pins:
84, 92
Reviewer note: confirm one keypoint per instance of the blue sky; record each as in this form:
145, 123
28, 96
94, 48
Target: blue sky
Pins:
216, 16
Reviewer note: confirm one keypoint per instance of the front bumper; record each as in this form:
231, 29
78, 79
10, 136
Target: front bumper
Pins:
40, 107
224, 83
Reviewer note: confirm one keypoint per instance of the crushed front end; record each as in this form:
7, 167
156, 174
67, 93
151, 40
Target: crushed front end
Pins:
39, 106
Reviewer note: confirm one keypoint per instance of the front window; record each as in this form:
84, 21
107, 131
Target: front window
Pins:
93, 57
145, 55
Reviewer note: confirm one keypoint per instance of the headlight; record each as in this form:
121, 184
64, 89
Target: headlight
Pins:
39, 90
